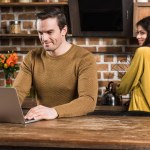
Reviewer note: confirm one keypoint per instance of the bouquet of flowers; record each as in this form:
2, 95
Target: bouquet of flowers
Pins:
8, 63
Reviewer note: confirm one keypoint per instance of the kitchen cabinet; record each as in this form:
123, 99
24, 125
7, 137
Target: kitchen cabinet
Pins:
141, 10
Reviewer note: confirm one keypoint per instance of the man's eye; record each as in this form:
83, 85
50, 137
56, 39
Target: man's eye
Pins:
49, 32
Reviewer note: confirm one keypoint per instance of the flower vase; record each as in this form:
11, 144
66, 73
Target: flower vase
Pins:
8, 79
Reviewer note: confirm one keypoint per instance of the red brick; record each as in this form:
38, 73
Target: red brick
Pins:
5, 9
16, 41
4, 42
122, 58
3, 24
1, 83
119, 67
80, 41
97, 57
27, 24
30, 9
8, 17
102, 83
17, 9
93, 41
1, 75
102, 67
34, 31
29, 41
108, 41
110, 49
130, 49
26, 49
121, 41
91, 49
108, 75
27, 16
108, 58
6, 49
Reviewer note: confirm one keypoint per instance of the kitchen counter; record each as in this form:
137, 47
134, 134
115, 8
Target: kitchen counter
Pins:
87, 132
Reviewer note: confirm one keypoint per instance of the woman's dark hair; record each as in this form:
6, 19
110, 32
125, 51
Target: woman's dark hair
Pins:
145, 24
53, 12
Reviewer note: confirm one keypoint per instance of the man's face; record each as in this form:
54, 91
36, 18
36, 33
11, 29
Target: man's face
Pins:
49, 33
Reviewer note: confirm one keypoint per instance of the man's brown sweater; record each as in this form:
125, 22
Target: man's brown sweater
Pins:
67, 82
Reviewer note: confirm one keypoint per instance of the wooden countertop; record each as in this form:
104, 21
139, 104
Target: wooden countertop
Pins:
92, 132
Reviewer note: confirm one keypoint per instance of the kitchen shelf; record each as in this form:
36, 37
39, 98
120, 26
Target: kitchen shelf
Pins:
24, 35
18, 35
34, 4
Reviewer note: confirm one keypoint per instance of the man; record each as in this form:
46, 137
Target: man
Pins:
64, 75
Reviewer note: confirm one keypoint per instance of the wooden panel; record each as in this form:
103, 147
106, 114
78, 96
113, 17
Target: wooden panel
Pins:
141, 10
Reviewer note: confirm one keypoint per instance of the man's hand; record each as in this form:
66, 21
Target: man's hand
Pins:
41, 112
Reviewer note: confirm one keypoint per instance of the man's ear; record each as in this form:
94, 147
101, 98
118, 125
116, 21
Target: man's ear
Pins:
64, 30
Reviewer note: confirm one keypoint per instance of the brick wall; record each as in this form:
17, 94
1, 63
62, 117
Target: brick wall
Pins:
112, 55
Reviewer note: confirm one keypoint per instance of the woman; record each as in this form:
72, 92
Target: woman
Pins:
137, 78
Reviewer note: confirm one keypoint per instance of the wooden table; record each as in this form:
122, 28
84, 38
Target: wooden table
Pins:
87, 132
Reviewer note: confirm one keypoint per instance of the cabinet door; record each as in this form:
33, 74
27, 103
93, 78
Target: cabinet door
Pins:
141, 10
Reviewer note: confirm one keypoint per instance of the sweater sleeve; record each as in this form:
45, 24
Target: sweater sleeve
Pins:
87, 91
24, 76
133, 74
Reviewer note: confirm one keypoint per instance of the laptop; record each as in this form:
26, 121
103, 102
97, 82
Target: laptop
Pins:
10, 108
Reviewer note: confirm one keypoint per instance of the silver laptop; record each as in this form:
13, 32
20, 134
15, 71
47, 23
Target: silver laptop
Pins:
10, 108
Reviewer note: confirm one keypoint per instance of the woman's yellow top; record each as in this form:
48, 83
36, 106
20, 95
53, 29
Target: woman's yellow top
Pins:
137, 81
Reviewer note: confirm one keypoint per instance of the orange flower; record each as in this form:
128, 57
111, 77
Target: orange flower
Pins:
14, 58
9, 61
12, 64
2, 56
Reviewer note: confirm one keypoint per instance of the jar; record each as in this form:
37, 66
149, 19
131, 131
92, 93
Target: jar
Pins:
15, 27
